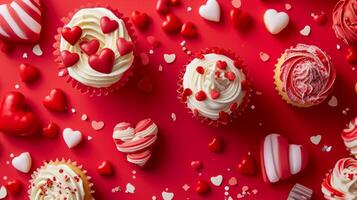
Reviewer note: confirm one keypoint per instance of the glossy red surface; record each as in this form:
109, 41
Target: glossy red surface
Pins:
186, 140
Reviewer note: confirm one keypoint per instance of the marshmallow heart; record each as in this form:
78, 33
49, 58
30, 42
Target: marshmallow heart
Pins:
280, 160
275, 21
169, 58
316, 139
211, 11
22, 162
167, 195
305, 31
97, 125
217, 180
72, 138
3, 192
130, 188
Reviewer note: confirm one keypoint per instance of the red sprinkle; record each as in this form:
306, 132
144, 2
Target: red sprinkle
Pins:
201, 96
230, 75
195, 112
200, 56
221, 64
217, 74
200, 70
215, 94
233, 107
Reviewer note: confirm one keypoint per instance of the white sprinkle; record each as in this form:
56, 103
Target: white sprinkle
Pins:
173, 117
130, 188
151, 51
226, 193
338, 47
305, 31
89, 138
188, 52
133, 172
8, 162
11, 155
17, 86
161, 68
116, 189
84, 117
153, 198
226, 188
37, 50
73, 110
252, 107
183, 43
169, 58
189, 9
4, 178
24, 55
186, 187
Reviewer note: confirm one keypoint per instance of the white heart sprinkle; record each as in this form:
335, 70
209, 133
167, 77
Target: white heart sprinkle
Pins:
236, 3
305, 31
84, 117
167, 195
89, 138
217, 180
333, 101
264, 56
275, 21
3, 192
37, 50
72, 138
288, 6
169, 58
97, 125
130, 188
211, 11
22, 162
24, 55
189, 9
315, 139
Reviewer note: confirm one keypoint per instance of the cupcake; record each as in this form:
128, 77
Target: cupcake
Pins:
304, 75
60, 179
341, 182
214, 86
349, 136
95, 50
344, 21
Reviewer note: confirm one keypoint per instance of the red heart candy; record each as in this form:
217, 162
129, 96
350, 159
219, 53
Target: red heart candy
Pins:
69, 59
196, 165
221, 64
90, 47
108, 25
247, 165
145, 85
215, 94
202, 187
72, 35
28, 73
103, 62
175, 2
153, 41
124, 46
140, 19
240, 19
189, 30
320, 18
6, 47
15, 118
351, 56
50, 131
105, 168
56, 101
200, 95
162, 7
172, 24
216, 145
14, 187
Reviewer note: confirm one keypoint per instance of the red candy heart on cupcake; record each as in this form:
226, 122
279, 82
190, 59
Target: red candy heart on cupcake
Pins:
15, 118
56, 101
124, 46
72, 35
90, 47
107, 25
103, 62
69, 59
162, 7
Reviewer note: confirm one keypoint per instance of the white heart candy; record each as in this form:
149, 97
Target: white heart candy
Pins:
130, 188
217, 180
72, 138
211, 11
316, 139
37, 50
167, 195
333, 102
275, 21
22, 162
169, 58
305, 31
3, 192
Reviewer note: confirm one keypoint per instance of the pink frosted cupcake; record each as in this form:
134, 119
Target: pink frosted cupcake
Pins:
214, 86
95, 49
349, 136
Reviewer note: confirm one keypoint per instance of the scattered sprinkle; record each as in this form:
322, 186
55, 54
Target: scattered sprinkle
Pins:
4, 178
236, 3
169, 58
167, 195
338, 47
151, 51
24, 55
173, 117
189, 9
326, 148
288, 6
333, 101
84, 117
73, 110
315, 139
37, 50
130, 188
217, 180
264, 56
161, 68
183, 43
89, 138
12, 155
3, 192
233, 181
186, 187
97, 125
305, 31
116, 189
252, 107
17, 86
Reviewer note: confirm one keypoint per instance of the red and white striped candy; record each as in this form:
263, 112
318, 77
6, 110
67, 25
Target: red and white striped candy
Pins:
349, 136
280, 160
20, 21
136, 142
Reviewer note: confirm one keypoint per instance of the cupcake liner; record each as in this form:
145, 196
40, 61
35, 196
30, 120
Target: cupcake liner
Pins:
76, 168
242, 107
85, 89
299, 192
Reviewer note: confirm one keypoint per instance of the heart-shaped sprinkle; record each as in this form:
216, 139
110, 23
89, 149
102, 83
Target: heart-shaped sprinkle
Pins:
169, 58
72, 138
305, 31
217, 180
233, 181
200, 70
3, 192
107, 25
37, 50
236, 3
167, 195
124, 46
97, 125
288, 6
216, 144
264, 56
130, 188
211, 11
14, 187
69, 59
333, 101
275, 21
90, 47
105, 168
72, 35
240, 19
186, 187
230, 75
202, 187
103, 62
22, 162
319, 18
221, 64
315, 139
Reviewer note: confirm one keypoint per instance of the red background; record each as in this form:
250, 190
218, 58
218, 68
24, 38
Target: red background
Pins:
186, 139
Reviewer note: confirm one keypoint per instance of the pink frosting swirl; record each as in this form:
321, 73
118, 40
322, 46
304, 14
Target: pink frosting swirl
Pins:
345, 21
307, 74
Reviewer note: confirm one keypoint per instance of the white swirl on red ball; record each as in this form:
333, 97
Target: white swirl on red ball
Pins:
136, 143
56, 182
88, 20
349, 136
230, 91
341, 183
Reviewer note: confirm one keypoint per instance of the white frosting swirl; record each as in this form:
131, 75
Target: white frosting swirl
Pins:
56, 182
88, 20
230, 91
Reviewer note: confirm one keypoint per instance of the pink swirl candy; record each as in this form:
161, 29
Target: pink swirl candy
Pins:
349, 136
307, 74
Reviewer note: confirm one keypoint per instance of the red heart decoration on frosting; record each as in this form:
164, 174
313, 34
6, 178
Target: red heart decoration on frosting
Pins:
351, 57
202, 187
241, 20
50, 131
72, 35
14, 187
189, 30
247, 165
162, 7
69, 59
105, 168
15, 118
124, 46
108, 25
103, 62
90, 47
172, 24
21, 21
28, 73
140, 19
56, 101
